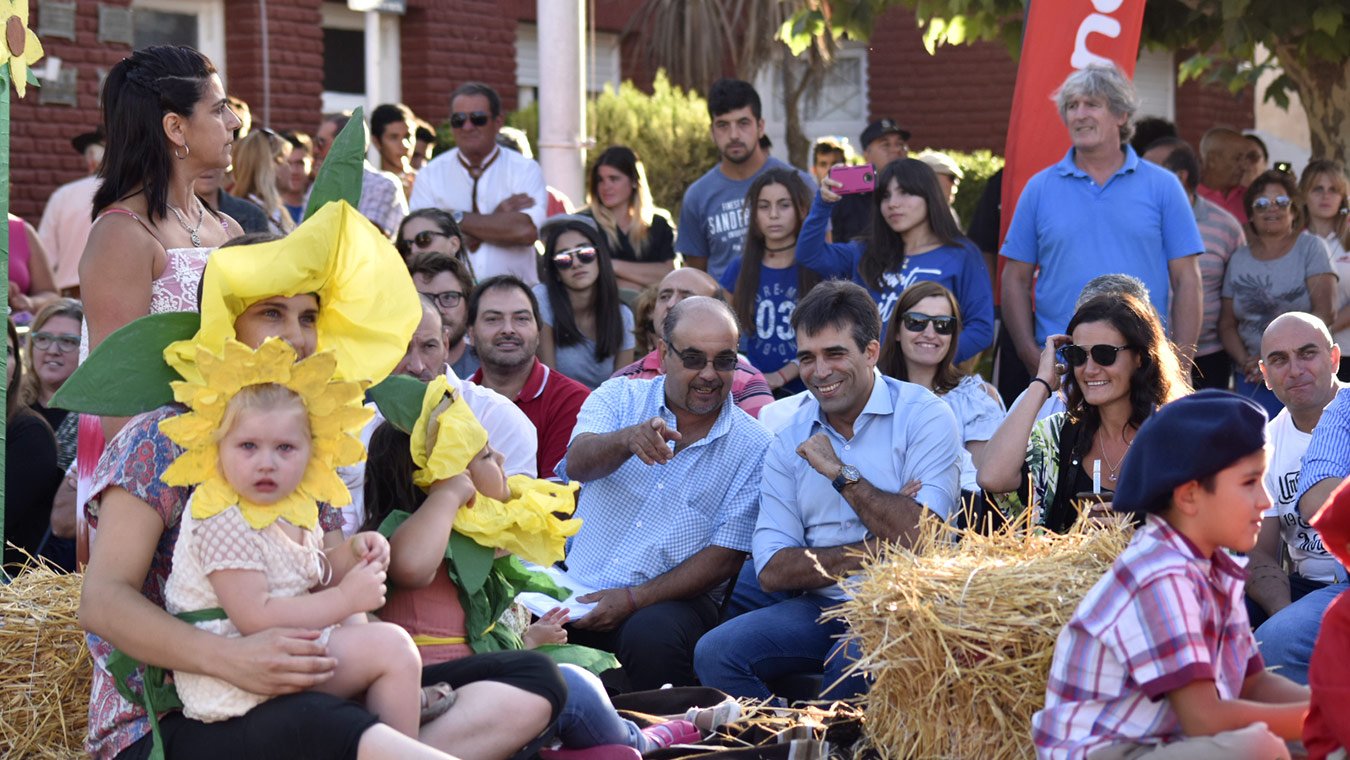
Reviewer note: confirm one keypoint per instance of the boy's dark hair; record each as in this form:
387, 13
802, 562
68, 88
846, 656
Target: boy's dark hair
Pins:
1181, 158
827, 146
1148, 131
431, 263
501, 281
478, 88
840, 304
386, 114
727, 95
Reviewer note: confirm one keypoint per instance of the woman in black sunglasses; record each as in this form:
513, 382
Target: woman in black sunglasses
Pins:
1282, 268
431, 229
921, 349
586, 330
1121, 368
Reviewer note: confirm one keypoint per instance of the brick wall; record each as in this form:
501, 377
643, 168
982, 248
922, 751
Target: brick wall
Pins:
1200, 107
295, 42
448, 43
41, 157
959, 98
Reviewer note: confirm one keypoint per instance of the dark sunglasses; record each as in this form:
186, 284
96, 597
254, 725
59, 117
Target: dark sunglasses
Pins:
447, 299
420, 240
917, 322
66, 344
582, 254
479, 119
1104, 355
697, 360
1263, 203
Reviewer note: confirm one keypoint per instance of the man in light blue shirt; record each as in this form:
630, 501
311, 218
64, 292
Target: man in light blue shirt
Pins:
865, 461
670, 470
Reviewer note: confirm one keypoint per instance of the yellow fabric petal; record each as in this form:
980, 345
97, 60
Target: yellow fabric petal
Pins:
368, 307
526, 525
459, 436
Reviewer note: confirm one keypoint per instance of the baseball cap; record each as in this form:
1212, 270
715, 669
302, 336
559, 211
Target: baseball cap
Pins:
882, 127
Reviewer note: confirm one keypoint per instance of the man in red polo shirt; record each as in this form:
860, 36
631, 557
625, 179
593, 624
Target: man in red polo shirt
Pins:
504, 328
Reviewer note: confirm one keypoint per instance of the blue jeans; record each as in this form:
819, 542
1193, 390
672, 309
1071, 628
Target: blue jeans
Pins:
1287, 638
747, 595
1257, 392
740, 655
588, 718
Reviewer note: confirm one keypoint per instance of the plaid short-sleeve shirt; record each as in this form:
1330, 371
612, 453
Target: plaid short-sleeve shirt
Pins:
1161, 618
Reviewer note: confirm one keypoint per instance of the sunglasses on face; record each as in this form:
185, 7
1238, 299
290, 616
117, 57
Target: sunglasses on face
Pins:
420, 240
446, 299
1104, 355
1263, 203
66, 344
917, 322
582, 254
479, 119
697, 360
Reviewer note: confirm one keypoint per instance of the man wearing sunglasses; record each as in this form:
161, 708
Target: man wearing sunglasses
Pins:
382, 200
671, 473
864, 462
497, 196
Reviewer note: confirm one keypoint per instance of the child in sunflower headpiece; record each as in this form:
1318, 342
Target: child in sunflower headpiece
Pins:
263, 442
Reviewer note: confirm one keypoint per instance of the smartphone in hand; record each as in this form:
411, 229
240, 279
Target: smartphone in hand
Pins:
854, 179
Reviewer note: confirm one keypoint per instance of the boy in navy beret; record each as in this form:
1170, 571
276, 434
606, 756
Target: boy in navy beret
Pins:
1159, 658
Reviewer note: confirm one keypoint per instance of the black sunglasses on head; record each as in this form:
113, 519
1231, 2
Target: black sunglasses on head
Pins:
479, 119
1104, 355
697, 360
421, 240
917, 322
582, 254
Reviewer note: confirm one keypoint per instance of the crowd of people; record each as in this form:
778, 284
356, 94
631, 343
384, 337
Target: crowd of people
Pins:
751, 400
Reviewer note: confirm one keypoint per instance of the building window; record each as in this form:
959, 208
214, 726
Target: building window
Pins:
342, 71
199, 24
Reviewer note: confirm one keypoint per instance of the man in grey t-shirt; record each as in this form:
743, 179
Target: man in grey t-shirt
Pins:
713, 219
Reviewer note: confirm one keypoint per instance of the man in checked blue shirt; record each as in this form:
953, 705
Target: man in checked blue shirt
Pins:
866, 460
670, 469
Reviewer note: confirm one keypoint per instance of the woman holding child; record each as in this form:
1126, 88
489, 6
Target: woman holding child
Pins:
1121, 369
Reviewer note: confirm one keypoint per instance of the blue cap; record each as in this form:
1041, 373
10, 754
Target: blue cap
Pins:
1189, 439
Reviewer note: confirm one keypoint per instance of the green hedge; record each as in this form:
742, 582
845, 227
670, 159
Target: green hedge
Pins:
977, 168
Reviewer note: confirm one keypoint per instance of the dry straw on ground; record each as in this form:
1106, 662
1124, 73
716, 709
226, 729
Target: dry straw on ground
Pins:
45, 669
960, 635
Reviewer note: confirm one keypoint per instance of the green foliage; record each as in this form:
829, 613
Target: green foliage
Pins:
668, 129
977, 168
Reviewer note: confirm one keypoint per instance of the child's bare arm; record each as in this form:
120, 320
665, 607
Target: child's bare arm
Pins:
547, 629
1202, 713
244, 597
1273, 688
418, 546
345, 553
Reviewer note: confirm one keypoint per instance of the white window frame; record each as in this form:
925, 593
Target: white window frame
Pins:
388, 86
210, 25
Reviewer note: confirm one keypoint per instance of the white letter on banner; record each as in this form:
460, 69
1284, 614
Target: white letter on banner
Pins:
1098, 24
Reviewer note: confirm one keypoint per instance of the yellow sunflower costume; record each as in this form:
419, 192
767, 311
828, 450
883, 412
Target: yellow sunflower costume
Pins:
220, 529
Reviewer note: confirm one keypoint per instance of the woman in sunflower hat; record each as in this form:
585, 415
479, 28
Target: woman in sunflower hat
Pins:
335, 284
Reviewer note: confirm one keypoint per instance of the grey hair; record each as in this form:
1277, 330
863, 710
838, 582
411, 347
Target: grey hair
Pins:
695, 303
1102, 80
1113, 285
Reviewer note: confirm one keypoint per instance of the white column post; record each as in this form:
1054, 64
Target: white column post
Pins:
562, 95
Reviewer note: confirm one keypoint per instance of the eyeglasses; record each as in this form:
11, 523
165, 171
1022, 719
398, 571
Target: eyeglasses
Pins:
479, 119
1104, 355
66, 344
1263, 203
582, 254
697, 360
447, 299
420, 240
917, 322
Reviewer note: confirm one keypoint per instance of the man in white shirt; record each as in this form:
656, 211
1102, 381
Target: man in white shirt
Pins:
68, 217
497, 196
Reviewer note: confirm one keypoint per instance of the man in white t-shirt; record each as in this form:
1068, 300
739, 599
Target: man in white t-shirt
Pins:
497, 197
1299, 361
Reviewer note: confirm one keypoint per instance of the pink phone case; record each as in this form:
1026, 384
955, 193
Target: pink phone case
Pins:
854, 179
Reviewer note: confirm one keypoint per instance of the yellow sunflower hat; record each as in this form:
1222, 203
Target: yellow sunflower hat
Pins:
336, 417
368, 307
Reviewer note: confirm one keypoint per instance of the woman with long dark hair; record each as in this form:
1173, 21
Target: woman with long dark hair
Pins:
1121, 369
31, 474
766, 282
640, 235
913, 237
586, 331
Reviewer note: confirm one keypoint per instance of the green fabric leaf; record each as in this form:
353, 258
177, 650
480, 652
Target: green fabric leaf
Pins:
32, 78
399, 398
595, 660
472, 562
392, 521
532, 581
340, 176
126, 375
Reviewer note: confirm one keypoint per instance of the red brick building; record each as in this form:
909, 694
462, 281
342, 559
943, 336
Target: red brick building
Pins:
284, 56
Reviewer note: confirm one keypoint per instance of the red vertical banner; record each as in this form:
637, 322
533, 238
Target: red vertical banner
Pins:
1061, 37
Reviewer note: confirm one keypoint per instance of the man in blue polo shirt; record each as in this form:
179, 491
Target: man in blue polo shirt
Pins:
1098, 211
866, 460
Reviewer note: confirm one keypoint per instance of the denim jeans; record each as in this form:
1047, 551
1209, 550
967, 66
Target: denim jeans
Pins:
588, 718
747, 595
740, 655
1286, 639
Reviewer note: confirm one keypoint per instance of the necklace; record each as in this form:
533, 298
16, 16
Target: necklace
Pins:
1113, 469
191, 231
787, 247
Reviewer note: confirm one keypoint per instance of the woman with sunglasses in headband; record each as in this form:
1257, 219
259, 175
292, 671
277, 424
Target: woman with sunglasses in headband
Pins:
1281, 269
1120, 369
921, 349
586, 331
1326, 198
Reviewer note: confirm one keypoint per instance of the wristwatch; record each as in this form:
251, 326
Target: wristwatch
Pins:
458, 216
848, 475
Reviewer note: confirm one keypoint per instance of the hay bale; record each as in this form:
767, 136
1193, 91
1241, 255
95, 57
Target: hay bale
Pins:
959, 637
45, 669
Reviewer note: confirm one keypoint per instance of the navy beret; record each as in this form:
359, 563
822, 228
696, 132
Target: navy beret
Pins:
1188, 439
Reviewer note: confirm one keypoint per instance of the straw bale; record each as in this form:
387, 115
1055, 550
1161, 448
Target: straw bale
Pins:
959, 636
45, 670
